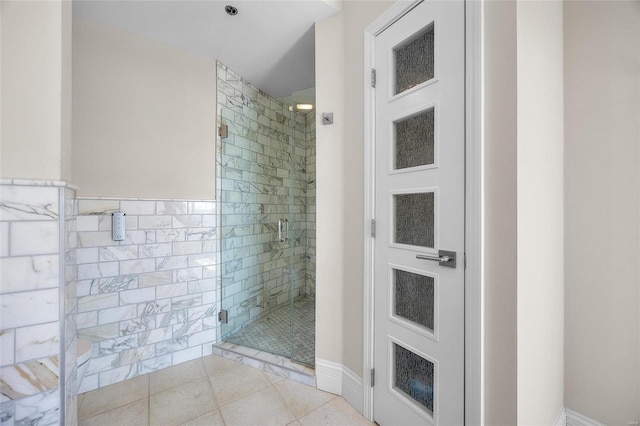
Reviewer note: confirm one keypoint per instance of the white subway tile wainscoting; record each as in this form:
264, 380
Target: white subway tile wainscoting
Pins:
150, 301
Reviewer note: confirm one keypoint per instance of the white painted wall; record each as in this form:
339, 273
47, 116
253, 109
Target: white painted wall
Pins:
330, 254
340, 182
500, 213
602, 209
143, 117
66, 93
540, 290
357, 16
35, 102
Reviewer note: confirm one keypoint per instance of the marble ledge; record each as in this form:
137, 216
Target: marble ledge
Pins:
29, 378
34, 182
147, 208
199, 200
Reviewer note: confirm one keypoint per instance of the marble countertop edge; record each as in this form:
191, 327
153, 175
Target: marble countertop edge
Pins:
36, 182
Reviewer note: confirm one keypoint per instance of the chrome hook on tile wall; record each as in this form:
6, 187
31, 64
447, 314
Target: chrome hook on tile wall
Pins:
283, 224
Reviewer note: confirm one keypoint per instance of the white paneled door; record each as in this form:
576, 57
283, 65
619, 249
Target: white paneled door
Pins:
419, 212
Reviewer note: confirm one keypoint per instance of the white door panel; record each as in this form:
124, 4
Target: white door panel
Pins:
419, 210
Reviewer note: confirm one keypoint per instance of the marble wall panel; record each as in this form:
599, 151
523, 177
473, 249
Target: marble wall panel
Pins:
37, 301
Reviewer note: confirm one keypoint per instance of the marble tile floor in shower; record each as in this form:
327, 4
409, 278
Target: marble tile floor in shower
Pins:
213, 391
272, 332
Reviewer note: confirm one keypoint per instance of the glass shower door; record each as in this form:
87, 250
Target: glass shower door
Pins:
267, 193
258, 226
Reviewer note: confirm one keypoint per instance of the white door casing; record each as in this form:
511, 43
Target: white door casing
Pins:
428, 348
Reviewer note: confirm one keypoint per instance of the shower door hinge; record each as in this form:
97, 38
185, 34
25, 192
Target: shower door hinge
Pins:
373, 377
373, 228
223, 131
223, 316
373, 77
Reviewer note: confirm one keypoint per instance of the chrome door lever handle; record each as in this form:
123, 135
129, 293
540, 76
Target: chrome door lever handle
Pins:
436, 258
444, 258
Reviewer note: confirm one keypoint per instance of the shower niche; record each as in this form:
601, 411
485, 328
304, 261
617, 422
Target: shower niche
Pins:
266, 187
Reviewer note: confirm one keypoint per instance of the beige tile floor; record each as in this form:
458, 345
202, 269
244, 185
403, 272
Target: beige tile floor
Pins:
213, 391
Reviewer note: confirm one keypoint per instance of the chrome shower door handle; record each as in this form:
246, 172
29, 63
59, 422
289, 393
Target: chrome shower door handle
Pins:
286, 225
444, 258
282, 223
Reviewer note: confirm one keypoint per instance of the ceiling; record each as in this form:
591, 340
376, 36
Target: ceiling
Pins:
269, 43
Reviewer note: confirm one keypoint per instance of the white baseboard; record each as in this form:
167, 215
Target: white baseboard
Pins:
337, 379
561, 418
577, 419
352, 390
329, 376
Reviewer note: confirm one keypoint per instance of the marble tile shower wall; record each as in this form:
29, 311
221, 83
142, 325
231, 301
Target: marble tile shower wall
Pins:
150, 301
37, 301
255, 164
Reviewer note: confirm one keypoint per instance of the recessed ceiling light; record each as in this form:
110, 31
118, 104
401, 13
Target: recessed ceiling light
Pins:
304, 106
232, 11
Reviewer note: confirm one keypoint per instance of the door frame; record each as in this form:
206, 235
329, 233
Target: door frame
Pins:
474, 143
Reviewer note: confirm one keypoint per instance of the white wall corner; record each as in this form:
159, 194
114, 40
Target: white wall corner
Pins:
329, 376
561, 418
337, 379
336, 4
577, 419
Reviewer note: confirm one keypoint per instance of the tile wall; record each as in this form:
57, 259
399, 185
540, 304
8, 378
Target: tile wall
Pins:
37, 220
258, 169
150, 301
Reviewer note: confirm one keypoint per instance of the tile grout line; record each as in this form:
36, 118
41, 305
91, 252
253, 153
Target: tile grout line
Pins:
218, 406
322, 405
286, 404
119, 406
333, 397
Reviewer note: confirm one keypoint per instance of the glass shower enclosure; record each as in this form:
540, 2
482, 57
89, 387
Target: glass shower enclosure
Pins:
267, 190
